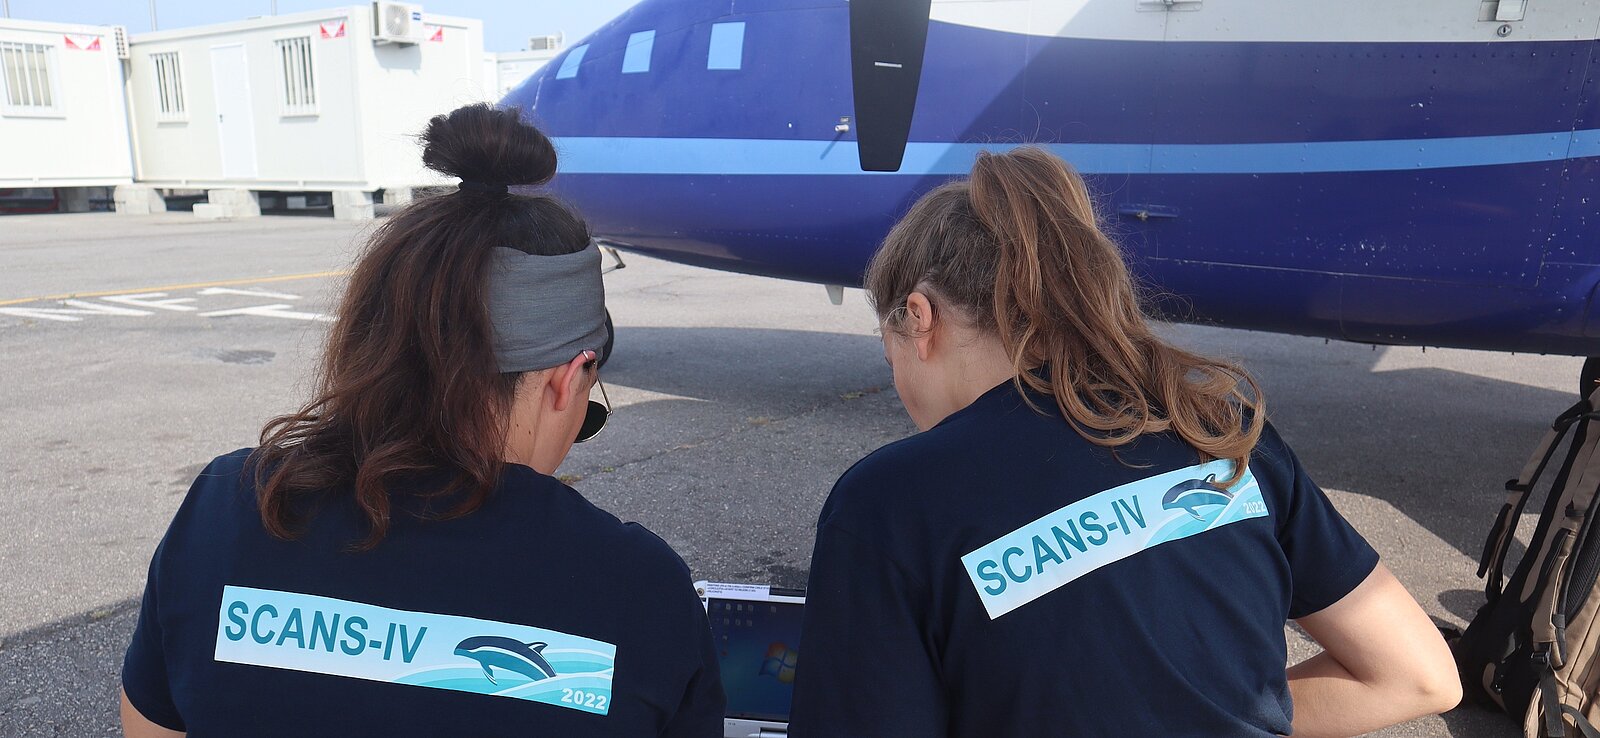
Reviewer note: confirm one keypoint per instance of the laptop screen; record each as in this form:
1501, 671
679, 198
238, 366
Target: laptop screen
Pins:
758, 644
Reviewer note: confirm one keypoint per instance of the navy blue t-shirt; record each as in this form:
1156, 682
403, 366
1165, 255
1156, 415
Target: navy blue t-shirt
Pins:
998, 575
538, 614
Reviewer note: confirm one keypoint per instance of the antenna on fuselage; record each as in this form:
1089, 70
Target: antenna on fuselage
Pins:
887, 40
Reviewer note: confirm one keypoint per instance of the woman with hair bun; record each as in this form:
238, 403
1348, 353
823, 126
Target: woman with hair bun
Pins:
395, 558
1096, 533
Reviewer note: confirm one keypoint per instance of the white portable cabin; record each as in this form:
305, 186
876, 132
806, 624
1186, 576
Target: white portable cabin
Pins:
308, 102
508, 69
512, 68
63, 119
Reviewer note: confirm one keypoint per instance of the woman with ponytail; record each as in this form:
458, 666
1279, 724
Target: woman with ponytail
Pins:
395, 558
1096, 533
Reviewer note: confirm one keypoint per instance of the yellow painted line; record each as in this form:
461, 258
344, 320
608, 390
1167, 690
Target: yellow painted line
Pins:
171, 287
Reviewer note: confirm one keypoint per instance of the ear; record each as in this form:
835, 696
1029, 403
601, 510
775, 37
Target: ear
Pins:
919, 323
566, 382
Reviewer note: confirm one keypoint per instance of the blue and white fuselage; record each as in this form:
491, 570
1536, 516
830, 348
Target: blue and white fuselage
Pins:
1395, 172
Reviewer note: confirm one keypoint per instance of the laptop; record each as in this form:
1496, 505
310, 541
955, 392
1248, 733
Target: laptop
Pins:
756, 631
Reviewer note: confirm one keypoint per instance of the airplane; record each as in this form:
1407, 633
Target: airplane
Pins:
1403, 173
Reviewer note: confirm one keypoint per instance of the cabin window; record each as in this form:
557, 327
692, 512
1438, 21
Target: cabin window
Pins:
727, 46
28, 78
637, 57
299, 76
569, 65
169, 86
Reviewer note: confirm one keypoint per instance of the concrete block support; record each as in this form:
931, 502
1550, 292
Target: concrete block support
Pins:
73, 199
352, 205
398, 195
229, 204
138, 200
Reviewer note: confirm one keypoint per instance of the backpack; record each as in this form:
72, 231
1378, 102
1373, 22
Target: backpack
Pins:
1533, 648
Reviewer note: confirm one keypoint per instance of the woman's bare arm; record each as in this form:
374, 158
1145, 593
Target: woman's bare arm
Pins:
1383, 662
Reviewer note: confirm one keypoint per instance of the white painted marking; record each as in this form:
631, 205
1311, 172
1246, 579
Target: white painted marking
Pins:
635, 396
69, 316
64, 316
891, 65
148, 299
247, 293
269, 311
95, 307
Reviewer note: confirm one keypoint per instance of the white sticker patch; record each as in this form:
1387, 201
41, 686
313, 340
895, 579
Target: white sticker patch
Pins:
286, 630
1040, 557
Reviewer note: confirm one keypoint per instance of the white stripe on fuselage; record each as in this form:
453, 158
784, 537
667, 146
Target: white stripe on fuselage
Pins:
1347, 21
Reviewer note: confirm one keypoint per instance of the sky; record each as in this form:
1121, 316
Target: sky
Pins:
507, 24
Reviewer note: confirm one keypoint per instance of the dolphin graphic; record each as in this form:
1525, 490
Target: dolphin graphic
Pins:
1193, 494
510, 654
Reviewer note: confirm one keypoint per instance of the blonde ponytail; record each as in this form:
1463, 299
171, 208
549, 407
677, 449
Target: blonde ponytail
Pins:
1019, 250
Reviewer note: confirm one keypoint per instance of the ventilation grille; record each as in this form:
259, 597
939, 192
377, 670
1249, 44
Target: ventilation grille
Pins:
396, 21
298, 76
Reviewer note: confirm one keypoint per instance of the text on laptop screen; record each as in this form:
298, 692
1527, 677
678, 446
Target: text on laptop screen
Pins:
758, 644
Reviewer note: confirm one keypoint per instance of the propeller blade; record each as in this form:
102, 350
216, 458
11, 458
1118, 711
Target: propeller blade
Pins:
887, 38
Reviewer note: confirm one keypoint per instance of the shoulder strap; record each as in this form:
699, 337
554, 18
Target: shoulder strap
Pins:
1580, 722
1577, 496
1554, 726
1498, 543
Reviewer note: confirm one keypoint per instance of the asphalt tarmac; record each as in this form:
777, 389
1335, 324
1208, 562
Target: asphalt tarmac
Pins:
738, 401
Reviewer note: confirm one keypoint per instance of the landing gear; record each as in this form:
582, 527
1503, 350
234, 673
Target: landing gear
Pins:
1589, 378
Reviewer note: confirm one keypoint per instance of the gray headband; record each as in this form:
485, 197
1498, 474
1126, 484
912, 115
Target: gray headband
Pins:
546, 309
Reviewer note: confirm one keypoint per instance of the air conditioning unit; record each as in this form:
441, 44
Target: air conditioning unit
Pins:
397, 23
545, 43
119, 38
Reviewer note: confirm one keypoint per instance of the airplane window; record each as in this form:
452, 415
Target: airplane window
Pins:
569, 65
637, 57
727, 46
